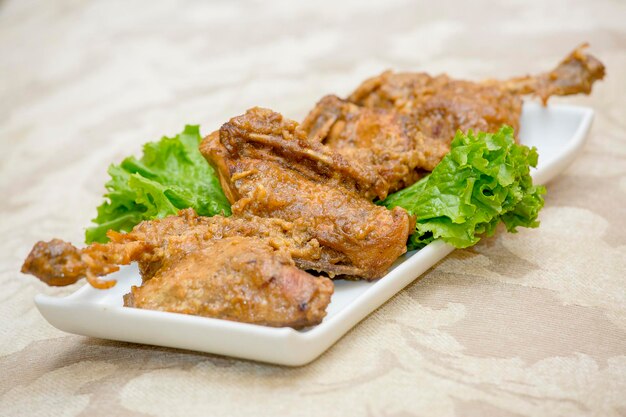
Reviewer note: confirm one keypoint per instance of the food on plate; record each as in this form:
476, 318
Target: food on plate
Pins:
404, 160
268, 168
402, 123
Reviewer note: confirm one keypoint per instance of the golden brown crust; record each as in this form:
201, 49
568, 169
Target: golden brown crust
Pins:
264, 133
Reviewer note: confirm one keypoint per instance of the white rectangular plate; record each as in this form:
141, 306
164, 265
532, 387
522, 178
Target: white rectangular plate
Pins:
557, 131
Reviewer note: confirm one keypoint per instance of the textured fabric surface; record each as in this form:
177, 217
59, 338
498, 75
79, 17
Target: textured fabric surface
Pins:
532, 324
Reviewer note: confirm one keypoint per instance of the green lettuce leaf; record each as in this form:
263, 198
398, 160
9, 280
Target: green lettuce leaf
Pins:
483, 180
171, 175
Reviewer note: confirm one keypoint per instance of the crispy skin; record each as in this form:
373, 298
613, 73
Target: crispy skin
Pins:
442, 105
188, 232
269, 168
382, 138
239, 279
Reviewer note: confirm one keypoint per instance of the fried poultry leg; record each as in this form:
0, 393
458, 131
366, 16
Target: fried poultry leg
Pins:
210, 266
402, 123
442, 105
268, 168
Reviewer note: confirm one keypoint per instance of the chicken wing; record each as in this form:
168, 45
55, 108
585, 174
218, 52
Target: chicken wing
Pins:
269, 168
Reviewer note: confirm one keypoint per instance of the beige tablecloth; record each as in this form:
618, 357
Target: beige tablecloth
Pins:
531, 324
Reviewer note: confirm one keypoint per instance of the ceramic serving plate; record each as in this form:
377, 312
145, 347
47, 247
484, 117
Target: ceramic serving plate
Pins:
557, 131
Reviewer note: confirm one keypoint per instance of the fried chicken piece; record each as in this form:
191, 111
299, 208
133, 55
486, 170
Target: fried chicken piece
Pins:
223, 264
384, 139
269, 168
238, 279
442, 105
188, 232
402, 124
